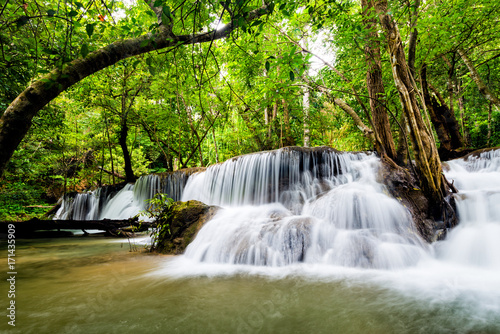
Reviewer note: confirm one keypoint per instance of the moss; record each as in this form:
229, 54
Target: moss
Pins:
179, 224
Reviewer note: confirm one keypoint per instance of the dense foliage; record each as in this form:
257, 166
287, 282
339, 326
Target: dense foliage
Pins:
274, 82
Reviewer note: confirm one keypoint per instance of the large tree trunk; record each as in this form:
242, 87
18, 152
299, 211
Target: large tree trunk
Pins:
442, 118
374, 83
129, 173
427, 160
16, 120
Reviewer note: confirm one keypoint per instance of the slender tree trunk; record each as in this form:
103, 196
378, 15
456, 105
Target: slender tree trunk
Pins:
374, 83
306, 107
489, 125
481, 85
289, 140
122, 140
215, 145
461, 108
110, 149
463, 120
129, 173
193, 129
427, 160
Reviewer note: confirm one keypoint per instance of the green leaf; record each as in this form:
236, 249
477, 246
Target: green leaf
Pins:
292, 52
282, 6
144, 43
166, 15
22, 21
79, 4
137, 62
158, 3
148, 61
256, 23
268, 66
164, 18
51, 12
292, 76
90, 29
73, 13
84, 50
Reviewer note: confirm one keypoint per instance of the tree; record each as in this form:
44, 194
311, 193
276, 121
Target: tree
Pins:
16, 120
374, 83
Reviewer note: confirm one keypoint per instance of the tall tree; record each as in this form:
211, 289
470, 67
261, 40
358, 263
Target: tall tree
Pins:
427, 159
374, 83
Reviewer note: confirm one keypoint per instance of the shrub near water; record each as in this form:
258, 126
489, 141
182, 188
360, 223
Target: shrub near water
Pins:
159, 210
22, 201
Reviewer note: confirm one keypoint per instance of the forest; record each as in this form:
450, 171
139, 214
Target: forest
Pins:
101, 91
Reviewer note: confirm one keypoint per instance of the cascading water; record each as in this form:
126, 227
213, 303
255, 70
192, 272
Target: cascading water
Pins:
476, 240
122, 204
319, 233
313, 206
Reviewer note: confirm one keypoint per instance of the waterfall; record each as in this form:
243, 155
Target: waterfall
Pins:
125, 203
476, 240
314, 206
289, 176
308, 205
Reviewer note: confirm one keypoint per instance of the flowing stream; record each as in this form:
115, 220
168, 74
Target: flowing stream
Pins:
306, 241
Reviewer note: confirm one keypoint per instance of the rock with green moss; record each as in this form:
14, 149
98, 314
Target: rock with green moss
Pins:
179, 224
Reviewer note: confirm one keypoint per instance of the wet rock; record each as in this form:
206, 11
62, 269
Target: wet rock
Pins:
180, 224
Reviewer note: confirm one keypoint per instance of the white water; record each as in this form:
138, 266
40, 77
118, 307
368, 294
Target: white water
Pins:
128, 202
322, 207
355, 232
316, 207
476, 240
332, 222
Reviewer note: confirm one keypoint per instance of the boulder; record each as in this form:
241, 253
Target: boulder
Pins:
179, 224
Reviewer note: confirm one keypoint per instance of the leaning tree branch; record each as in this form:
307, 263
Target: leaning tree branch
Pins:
481, 85
16, 120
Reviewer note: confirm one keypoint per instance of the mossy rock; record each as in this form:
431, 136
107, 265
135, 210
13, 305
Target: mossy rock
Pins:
180, 224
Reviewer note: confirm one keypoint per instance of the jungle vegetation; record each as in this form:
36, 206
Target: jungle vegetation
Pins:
98, 92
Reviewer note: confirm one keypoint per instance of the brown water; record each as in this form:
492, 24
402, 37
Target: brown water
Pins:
96, 285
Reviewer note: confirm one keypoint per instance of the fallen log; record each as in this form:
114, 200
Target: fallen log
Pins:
111, 226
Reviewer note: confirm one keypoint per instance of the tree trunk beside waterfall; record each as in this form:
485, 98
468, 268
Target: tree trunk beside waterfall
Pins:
427, 161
